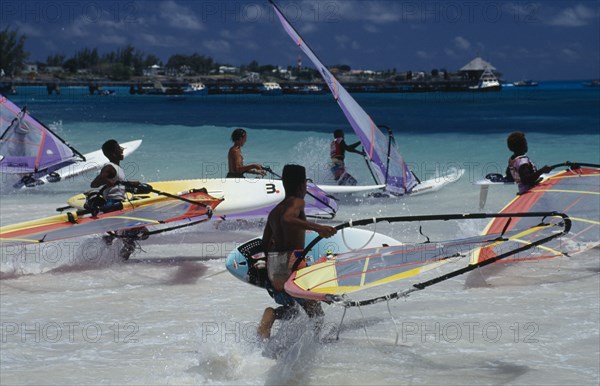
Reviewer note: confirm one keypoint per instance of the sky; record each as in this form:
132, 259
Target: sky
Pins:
540, 40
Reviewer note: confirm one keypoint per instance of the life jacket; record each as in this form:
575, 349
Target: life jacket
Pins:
116, 192
336, 150
514, 165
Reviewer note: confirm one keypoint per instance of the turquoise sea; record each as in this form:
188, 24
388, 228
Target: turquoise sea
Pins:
172, 315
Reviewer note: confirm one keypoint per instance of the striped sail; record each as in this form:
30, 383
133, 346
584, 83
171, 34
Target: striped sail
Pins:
389, 170
154, 211
27, 146
574, 192
367, 268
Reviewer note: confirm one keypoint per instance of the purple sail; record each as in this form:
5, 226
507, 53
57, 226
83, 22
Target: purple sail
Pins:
386, 162
27, 146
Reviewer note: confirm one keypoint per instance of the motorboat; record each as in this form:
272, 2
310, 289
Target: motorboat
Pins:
487, 82
525, 83
271, 88
196, 88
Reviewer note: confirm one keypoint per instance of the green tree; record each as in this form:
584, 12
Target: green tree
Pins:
253, 66
12, 51
176, 61
343, 67
71, 65
201, 64
119, 71
151, 60
55, 60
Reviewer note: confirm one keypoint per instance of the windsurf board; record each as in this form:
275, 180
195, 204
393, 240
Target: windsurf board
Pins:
347, 189
435, 184
93, 160
243, 197
147, 212
241, 262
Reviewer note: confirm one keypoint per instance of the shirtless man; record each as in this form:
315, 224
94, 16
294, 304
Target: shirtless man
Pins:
284, 234
235, 159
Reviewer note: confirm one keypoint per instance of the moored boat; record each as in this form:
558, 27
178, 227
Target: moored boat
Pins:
271, 88
196, 88
487, 82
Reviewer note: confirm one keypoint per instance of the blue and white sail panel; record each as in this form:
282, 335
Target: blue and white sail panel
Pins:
29, 147
395, 173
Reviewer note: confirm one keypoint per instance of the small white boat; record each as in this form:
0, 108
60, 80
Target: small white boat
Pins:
525, 83
271, 88
487, 82
196, 88
311, 89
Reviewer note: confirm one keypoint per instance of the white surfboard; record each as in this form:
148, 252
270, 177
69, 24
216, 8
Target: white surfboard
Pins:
435, 184
241, 261
427, 186
344, 189
485, 184
93, 160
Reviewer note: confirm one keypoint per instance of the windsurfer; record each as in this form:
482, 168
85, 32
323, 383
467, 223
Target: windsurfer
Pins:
282, 236
236, 160
111, 179
110, 176
520, 168
338, 149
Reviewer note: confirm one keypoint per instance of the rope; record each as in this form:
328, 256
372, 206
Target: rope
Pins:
365, 244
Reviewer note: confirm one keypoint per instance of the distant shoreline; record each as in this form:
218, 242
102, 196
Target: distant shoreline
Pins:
227, 86
230, 86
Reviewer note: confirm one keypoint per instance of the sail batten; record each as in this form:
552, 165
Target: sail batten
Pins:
375, 144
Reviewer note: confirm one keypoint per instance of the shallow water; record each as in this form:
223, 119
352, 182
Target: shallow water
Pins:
172, 315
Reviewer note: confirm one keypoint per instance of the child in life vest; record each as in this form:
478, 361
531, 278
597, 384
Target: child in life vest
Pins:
521, 169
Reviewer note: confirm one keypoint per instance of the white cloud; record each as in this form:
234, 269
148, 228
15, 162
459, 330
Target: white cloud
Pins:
178, 16
308, 28
525, 12
371, 29
424, 54
382, 17
79, 28
113, 39
462, 43
375, 11
577, 16
28, 29
217, 46
243, 38
84, 26
161, 40
450, 52
570, 55
342, 40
